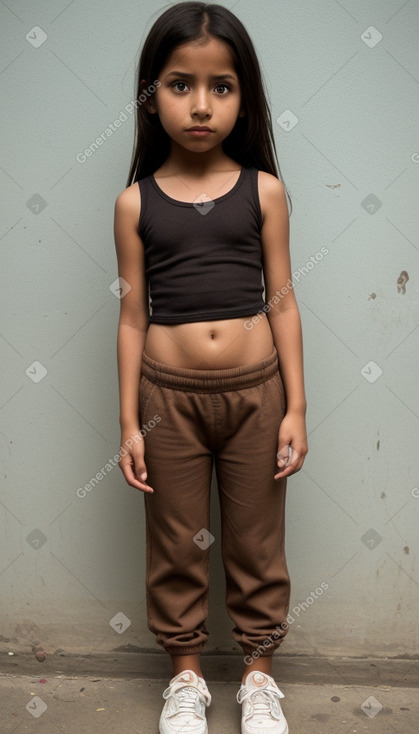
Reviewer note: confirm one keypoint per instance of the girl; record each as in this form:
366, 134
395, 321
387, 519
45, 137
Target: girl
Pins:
215, 372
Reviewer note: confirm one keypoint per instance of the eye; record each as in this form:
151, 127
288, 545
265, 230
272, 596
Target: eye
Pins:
223, 86
175, 85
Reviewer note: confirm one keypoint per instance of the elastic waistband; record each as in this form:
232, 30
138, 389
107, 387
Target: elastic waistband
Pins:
233, 378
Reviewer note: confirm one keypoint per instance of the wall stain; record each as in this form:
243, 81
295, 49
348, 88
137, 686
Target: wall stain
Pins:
406, 550
401, 282
372, 295
383, 495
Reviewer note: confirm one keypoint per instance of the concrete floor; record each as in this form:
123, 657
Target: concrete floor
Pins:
90, 704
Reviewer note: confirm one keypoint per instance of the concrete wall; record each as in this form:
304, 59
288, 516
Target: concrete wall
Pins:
346, 73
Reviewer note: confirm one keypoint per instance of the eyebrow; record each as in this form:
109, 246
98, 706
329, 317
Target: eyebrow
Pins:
191, 76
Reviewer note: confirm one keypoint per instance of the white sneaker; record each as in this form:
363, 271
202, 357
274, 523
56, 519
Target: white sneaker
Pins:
261, 709
184, 711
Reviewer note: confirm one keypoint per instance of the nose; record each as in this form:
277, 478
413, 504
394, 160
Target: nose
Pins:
201, 103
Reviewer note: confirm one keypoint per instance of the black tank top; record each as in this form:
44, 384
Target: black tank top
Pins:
203, 261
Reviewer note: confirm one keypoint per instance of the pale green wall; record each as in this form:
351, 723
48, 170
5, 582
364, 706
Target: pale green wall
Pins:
69, 565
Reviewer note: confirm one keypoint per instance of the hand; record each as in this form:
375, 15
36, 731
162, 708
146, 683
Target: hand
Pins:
132, 459
292, 444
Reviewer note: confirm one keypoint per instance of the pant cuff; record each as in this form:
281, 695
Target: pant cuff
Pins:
261, 651
193, 650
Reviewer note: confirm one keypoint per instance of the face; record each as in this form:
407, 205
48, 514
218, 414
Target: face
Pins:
199, 88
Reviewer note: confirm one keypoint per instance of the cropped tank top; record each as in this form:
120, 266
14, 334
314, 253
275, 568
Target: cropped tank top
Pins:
203, 259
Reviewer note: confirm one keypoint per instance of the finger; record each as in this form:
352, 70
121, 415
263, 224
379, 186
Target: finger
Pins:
286, 454
293, 468
285, 473
127, 470
288, 460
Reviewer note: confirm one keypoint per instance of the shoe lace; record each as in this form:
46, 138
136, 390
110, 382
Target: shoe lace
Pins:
186, 697
264, 701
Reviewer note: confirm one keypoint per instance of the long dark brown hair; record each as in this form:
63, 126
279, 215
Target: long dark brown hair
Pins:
251, 142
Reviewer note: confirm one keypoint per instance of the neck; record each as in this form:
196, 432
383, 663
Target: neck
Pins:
194, 164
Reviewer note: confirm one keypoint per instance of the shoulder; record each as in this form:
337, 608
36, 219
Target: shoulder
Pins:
271, 192
270, 185
128, 202
129, 197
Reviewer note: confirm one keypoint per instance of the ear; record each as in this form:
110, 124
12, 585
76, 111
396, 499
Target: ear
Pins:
149, 104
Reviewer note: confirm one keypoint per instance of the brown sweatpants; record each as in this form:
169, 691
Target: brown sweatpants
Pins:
230, 416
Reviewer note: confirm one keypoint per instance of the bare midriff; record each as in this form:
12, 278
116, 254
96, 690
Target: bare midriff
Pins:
220, 344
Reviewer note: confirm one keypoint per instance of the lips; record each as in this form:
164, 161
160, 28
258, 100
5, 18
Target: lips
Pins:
200, 129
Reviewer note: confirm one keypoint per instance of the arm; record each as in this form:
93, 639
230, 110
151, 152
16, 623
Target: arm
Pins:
283, 314
132, 329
